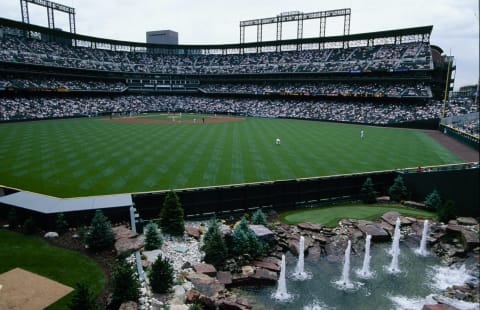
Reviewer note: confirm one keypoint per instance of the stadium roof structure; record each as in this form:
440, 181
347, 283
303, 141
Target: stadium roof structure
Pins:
50, 205
418, 34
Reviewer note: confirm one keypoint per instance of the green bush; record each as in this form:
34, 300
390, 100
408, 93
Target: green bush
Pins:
214, 245
171, 215
12, 219
153, 240
433, 201
398, 191
259, 218
100, 235
29, 226
244, 240
368, 193
83, 299
161, 275
195, 307
125, 285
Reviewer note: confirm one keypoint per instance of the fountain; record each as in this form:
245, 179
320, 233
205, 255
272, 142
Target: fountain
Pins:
300, 273
395, 250
365, 271
423, 243
344, 282
281, 294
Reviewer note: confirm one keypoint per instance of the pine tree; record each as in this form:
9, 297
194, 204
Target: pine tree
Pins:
171, 216
100, 235
214, 245
368, 193
61, 224
125, 285
259, 218
433, 201
12, 219
161, 275
244, 240
398, 191
153, 240
447, 211
83, 299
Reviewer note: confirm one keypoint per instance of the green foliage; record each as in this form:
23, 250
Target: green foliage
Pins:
398, 191
433, 201
259, 218
244, 240
153, 240
83, 299
100, 235
12, 219
214, 245
368, 193
171, 216
61, 224
125, 285
447, 211
29, 226
195, 307
161, 275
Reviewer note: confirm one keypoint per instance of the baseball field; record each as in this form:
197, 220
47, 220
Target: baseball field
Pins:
94, 156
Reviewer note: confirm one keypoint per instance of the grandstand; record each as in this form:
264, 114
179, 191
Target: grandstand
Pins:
389, 78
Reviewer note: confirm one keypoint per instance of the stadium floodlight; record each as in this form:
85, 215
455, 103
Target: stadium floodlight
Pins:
51, 8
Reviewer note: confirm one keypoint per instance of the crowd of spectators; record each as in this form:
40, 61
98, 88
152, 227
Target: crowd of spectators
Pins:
62, 84
17, 48
330, 110
355, 89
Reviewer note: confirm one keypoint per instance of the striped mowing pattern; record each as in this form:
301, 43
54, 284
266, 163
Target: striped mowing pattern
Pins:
81, 157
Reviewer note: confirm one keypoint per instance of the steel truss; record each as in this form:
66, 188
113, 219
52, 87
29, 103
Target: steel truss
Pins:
51, 8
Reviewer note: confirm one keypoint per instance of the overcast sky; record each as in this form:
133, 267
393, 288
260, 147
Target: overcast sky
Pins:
455, 22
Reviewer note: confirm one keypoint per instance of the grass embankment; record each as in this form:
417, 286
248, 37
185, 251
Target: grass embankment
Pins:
36, 255
329, 216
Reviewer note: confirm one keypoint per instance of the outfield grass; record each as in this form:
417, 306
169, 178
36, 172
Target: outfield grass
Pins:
37, 256
81, 157
329, 216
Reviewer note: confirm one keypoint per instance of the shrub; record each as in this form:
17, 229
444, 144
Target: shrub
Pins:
244, 240
195, 307
171, 216
153, 240
214, 245
447, 211
12, 219
29, 226
125, 285
368, 193
61, 224
100, 235
83, 299
398, 191
259, 218
433, 201
161, 275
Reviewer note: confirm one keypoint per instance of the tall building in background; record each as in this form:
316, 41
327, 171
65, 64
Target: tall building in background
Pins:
162, 37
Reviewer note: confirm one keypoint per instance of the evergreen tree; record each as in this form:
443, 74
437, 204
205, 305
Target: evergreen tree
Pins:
398, 191
214, 245
29, 226
12, 219
83, 299
368, 193
61, 224
171, 216
153, 240
100, 235
161, 275
433, 201
259, 218
447, 211
244, 240
195, 307
125, 285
